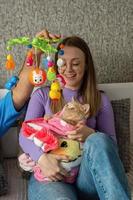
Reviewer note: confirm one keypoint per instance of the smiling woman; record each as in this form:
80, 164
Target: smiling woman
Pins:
101, 174
78, 71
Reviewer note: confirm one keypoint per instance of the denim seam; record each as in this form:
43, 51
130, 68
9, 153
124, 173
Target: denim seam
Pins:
96, 176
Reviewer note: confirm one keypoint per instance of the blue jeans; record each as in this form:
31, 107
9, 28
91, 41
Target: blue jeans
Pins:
101, 176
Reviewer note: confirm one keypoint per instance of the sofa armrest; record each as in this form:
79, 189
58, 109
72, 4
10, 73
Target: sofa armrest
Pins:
9, 142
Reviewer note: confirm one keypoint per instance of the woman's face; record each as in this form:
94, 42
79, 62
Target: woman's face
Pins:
73, 66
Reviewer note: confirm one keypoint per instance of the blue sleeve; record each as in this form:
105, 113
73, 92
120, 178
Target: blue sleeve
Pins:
8, 114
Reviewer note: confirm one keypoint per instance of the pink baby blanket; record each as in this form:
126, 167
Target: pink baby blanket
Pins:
44, 134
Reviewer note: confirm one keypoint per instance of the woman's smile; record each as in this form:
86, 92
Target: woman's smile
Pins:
69, 76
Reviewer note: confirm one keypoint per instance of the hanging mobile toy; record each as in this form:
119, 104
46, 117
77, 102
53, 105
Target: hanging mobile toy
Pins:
59, 82
29, 59
10, 65
54, 92
37, 76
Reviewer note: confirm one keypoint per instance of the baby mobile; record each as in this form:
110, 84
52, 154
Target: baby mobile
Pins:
37, 75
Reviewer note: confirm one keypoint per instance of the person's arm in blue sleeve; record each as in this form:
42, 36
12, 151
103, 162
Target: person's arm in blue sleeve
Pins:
8, 113
12, 104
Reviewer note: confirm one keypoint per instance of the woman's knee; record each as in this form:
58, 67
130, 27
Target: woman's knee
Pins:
99, 141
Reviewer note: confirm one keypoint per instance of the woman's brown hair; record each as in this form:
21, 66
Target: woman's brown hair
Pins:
88, 89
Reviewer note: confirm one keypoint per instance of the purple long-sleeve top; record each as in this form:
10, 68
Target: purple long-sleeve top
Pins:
39, 106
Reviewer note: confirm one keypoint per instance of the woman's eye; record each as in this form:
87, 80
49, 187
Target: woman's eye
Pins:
75, 64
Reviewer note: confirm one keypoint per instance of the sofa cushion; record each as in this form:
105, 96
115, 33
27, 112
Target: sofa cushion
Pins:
121, 110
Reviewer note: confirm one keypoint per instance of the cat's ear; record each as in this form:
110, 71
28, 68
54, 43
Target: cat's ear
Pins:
73, 99
86, 108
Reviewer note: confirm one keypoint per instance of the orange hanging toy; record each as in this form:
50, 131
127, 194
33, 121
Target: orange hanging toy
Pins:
37, 76
10, 64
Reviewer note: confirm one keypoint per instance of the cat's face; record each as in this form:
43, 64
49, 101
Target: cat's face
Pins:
73, 112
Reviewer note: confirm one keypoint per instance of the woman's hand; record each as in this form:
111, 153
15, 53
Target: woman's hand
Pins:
46, 35
81, 132
47, 117
50, 166
25, 162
